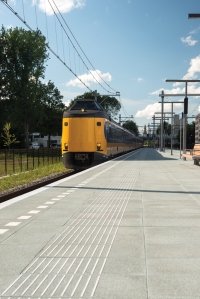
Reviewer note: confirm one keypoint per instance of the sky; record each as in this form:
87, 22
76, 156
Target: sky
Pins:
126, 46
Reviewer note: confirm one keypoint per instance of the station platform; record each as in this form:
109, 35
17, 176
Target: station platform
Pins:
128, 228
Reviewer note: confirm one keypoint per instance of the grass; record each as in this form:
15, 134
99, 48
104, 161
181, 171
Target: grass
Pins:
15, 180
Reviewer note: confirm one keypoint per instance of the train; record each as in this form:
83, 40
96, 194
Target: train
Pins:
90, 136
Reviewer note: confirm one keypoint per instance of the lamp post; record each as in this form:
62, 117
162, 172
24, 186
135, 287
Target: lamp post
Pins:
185, 108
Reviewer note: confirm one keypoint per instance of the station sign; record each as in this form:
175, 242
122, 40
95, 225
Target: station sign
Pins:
181, 115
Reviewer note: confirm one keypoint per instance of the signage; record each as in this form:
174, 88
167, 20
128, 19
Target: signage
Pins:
181, 115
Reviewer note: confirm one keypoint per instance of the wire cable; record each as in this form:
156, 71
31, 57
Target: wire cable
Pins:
75, 48
50, 49
82, 49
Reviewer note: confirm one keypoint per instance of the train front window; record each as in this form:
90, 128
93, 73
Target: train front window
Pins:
86, 105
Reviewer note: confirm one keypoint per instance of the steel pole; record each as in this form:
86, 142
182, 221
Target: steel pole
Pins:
172, 129
184, 125
161, 129
154, 131
180, 138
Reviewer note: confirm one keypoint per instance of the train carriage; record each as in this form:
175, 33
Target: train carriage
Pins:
90, 137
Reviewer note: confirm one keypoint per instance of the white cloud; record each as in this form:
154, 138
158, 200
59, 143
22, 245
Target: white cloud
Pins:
140, 79
149, 111
195, 30
63, 5
193, 69
171, 91
188, 40
89, 78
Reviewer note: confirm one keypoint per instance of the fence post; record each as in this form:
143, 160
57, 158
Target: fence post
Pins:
27, 159
13, 160
5, 161
21, 159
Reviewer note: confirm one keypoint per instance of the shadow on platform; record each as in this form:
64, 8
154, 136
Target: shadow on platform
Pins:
127, 190
145, 154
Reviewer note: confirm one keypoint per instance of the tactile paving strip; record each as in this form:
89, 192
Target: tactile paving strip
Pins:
71, 265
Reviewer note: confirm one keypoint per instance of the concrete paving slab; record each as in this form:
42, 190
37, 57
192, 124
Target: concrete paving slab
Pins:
124, 233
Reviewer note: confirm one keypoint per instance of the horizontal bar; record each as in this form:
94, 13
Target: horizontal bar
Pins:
179, 95
193, 16
171, 102
163, 112
182, 80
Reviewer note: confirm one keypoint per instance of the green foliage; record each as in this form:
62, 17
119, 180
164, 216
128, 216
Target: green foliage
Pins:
52, 107
110, 104
23, 54
24, 100
131, 126
30, 176
166, 127
190, 134
8, 138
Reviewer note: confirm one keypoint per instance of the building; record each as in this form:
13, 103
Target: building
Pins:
176, 125
197, 128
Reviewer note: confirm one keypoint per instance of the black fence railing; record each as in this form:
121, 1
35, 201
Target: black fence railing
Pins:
20, 160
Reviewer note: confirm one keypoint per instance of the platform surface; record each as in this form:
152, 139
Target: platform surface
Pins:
129, 228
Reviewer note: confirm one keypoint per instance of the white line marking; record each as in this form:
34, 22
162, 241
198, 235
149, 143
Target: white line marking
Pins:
24, 217
30, 285
42, 207
48, 285
61, 196
56, 199
12, 224
85, 287
21, 284
12, 284
41, 282
2, 231
49, 203
67, 285
95, 286
34, 212
57, 285
74, 290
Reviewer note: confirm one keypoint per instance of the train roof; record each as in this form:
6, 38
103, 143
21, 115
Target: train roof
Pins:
86, 108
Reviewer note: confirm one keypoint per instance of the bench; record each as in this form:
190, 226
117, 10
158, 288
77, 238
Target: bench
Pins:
193, 153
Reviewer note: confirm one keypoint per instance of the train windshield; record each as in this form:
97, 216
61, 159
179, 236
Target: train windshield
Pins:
86, 105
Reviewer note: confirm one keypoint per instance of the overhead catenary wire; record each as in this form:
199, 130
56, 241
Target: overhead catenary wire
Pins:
81, 47
50, 49
76, 49
36, 17
46, 20
57, 55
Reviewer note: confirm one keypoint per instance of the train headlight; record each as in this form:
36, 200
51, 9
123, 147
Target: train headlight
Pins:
98, 146
66, 146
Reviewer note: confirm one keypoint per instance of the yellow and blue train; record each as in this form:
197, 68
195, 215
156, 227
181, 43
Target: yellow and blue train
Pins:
89, 137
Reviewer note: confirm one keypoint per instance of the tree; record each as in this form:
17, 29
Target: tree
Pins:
110, 104
131, 126
52, 107
8, 138
23, 54
166, 128
190, 133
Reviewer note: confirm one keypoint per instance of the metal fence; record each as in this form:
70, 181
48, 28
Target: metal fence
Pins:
20, 160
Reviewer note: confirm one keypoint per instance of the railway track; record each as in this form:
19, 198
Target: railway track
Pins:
22, 189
